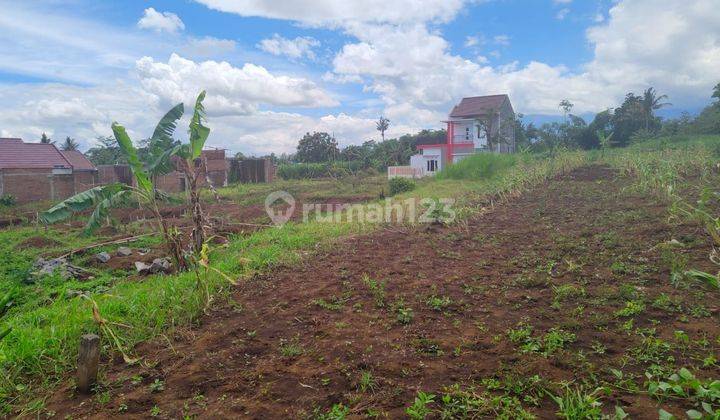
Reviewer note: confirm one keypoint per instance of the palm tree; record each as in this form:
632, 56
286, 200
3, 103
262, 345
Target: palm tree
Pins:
566, 106
44, 139
69, 144
650, 102
382, 125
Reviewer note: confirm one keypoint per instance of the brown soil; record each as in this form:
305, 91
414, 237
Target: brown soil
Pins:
38, 242
498, 270
117, 262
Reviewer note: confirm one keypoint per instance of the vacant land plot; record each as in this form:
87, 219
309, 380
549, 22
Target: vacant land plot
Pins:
570, 297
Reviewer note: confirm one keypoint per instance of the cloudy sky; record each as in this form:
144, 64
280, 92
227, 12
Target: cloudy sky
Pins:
275, 69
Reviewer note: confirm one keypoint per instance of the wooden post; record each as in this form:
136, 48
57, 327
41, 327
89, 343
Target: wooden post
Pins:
88, 358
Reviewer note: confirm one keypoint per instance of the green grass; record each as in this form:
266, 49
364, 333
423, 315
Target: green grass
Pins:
479, 166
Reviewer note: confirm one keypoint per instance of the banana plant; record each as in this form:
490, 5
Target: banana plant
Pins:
104, 197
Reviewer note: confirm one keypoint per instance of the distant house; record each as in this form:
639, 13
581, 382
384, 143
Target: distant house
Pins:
476, 124
38, 171
174, 181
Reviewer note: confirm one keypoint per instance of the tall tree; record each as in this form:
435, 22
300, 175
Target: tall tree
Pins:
106, 152
317, 147
627, 119
716, 93
650, 102
566, 106
44, 139
69, 144
382, 125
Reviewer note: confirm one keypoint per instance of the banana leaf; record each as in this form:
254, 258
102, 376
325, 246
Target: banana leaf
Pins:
708, 278
102, 210
166, 127
80, 202
126, 145
198, 132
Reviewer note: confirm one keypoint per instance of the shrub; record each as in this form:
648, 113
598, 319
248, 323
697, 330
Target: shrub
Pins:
400, 185
479, 166
319, 170
7, 200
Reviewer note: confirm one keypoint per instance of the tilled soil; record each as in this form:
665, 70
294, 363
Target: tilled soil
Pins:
299, 338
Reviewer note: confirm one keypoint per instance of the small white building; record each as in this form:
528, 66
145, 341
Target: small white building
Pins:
469, 125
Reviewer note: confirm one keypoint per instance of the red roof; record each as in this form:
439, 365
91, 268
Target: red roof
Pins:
78, 160
16, 154
478, 105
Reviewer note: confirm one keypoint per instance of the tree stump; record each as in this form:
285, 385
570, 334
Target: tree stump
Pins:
88, 358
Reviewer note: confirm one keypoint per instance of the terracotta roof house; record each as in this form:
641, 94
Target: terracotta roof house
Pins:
38, 171
476, 124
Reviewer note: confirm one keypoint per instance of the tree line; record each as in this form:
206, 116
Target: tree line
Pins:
634, 119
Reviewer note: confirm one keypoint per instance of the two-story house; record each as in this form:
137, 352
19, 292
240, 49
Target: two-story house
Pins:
476, 124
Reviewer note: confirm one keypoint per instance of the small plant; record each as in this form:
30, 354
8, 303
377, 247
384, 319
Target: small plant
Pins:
631, 308
336, 412
290, 348
566, 292
157, 386
575, 403
335, 304
7, 200
438, 303
377, 288
400, 185
555, 339
419, 408
683, 384
366, 382
404, 313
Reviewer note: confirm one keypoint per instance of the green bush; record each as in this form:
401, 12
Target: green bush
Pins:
479, 166
400, 185
319, 170
7, 200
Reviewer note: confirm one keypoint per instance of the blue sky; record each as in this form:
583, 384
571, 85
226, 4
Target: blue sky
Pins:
274, 70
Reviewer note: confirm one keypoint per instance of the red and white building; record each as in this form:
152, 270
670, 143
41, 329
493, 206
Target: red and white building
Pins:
468, 126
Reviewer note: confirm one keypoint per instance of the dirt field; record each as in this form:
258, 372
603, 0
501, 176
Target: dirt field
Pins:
380, 317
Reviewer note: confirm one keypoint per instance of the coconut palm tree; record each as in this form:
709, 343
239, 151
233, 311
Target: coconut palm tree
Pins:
69, 144
382, 125
650, 102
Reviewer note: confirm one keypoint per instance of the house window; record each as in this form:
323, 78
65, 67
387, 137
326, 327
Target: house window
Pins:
467, 133
479, 130
432, 165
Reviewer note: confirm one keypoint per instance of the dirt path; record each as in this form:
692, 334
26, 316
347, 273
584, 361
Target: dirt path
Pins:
300, 338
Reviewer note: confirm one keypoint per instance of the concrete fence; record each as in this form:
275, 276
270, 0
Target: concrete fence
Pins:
404, 172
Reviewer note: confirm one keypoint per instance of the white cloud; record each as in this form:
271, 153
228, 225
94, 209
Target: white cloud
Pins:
503, 40
330, 12
562, 13
297, 48
471, 41
231, 90
413, 65
160, 21
209, 46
